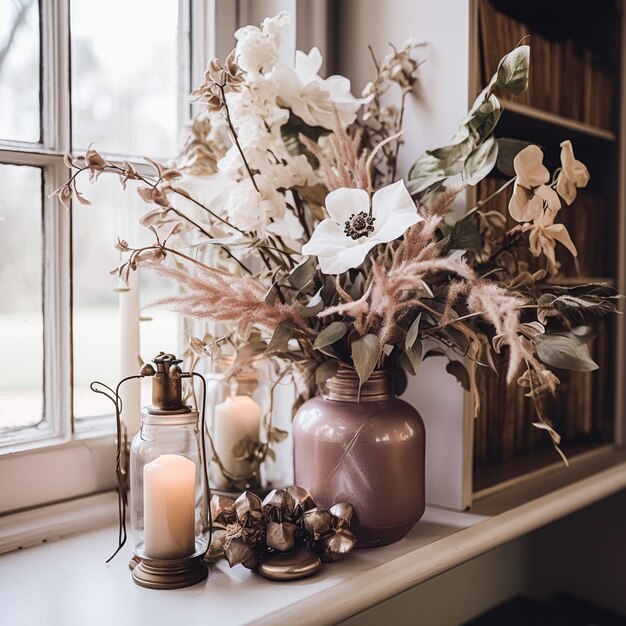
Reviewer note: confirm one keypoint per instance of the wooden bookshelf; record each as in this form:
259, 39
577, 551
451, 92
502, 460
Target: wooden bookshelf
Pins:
552, 119
581, 41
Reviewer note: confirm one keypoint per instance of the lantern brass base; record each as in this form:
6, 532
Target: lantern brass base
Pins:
168, 573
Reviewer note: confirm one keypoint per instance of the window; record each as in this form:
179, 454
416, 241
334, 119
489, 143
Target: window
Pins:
71, 72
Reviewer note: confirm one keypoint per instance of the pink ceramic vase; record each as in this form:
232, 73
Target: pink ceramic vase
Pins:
366, 448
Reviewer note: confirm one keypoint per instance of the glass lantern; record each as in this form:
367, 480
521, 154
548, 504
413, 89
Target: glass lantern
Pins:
238, 424
168, 491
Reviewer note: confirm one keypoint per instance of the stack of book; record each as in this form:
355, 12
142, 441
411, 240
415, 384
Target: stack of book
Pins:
565, 78
581, 410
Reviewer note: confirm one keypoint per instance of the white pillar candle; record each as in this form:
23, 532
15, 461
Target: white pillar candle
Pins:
169, 494
129, 352
233, 419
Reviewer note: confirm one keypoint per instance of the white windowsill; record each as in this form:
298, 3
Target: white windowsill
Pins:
66, 582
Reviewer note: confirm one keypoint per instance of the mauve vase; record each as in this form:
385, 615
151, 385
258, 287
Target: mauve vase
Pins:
366, 448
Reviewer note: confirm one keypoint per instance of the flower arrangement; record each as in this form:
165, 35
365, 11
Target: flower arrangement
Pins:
284, 222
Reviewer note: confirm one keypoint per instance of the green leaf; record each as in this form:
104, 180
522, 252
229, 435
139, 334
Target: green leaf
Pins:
465, 236
325, 371
513, 70
280, 338
459, 371
411, 335
365, 353
302, 275
411, 359
508, 149
480, 162
483, 117
564, 353
448, 156
333, 332
315, 306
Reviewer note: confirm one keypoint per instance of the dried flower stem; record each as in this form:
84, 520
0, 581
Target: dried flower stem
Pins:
236, 138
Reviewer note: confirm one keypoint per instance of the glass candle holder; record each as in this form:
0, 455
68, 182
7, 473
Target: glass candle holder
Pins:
168, 491
239, 429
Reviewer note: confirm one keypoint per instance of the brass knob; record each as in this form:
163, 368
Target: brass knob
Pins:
175, 372
147, 370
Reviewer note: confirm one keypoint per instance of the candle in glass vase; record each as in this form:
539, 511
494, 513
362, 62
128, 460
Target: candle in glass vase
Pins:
234, 418
169, 489
129, 351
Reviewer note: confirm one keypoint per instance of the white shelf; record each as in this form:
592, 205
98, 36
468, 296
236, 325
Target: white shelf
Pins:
66, 583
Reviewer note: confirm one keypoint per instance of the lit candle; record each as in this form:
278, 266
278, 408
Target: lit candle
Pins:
129, 351
234, 418
169, 488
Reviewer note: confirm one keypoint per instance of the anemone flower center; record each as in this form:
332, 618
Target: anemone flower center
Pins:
359, 225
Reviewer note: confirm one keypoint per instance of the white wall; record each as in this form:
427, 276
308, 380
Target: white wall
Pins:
433, 113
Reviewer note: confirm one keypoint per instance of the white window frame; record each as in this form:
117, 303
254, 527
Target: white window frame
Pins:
61, 463
57, 462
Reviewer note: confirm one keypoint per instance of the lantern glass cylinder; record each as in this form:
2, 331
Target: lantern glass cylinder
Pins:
168, 499
238, 410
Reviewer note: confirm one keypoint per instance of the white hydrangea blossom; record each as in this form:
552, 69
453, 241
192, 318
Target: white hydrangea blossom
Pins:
258, 48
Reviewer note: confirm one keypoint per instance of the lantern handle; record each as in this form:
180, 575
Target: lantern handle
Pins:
120, 472
205, 464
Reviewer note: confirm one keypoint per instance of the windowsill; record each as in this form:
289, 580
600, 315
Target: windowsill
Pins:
67, 582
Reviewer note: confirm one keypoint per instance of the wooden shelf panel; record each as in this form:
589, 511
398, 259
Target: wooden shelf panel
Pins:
579, 128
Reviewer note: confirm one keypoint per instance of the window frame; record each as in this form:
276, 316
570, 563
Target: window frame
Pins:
65, 461
66, 458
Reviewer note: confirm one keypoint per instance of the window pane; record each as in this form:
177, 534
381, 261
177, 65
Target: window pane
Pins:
21, 317
19, 70
97, 350
125, 76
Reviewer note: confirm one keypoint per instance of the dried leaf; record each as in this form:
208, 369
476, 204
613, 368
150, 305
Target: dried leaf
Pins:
564, 353
459, 371
365, 354
327, 336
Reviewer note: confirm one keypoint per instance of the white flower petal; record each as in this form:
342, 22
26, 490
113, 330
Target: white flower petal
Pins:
559, 233
528, 165
308, 65
327, 238
346, 259
576, 170
394, 211
565, 188
548, 196
342, 203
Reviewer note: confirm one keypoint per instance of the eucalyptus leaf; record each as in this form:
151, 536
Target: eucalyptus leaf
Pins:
412, 333
314, 306
325, 371
465, 236
481, 161
414, 354
333, 332
365, 353
459, 371
302, 275
280, 339
564, 353
513, 70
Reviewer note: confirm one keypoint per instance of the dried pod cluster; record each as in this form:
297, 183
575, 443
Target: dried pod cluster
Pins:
248, 529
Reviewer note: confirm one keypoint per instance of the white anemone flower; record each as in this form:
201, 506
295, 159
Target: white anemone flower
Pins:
315, 100
343, 241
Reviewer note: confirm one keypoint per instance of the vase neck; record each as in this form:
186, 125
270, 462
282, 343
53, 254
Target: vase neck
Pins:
344, 386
